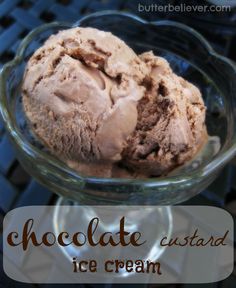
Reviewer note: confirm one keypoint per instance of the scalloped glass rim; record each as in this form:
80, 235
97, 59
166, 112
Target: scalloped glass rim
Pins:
220, 159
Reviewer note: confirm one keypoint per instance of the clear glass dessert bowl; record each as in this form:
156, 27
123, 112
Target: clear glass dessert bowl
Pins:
190, 56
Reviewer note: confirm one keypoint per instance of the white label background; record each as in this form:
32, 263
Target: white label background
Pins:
177, 264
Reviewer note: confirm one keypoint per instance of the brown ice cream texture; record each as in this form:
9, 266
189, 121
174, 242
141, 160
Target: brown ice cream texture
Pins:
108, 112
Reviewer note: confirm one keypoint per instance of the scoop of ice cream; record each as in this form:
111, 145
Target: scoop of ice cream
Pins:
171, 121
106, 111
77, 87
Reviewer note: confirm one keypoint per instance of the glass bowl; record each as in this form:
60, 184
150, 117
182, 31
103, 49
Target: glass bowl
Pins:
189, 55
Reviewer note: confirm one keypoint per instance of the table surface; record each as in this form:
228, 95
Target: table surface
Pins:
17, 18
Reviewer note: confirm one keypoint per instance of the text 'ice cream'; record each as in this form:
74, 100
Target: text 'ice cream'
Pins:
108, 112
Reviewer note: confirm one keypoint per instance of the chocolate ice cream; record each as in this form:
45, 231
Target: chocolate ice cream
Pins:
171, 121
108, 112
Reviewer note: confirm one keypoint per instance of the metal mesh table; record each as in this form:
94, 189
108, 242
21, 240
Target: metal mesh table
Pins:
17, 18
